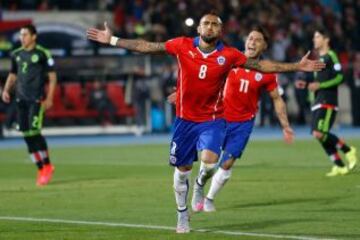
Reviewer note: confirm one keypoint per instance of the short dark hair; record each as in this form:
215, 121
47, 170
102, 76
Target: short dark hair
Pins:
324, 32
213, 12
261, 30
31, 28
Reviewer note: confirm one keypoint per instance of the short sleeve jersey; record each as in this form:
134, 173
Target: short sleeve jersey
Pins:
201, 77
31, 68
329, 78
242, 91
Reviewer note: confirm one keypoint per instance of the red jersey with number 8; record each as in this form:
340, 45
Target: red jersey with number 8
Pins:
242, 91
201, 77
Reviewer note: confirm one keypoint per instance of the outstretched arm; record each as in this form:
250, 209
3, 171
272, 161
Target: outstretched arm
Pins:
105, 36
305, 65
280, 109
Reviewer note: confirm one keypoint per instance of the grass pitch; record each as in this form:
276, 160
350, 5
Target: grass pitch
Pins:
277, 190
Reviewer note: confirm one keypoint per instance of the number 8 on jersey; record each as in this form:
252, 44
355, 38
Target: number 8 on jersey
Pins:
202, 71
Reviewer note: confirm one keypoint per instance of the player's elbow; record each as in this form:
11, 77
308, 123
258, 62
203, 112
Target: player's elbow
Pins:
265, 66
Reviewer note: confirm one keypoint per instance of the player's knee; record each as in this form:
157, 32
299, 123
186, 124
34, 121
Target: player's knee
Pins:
184, 168
227, 165
317, 134
209, 157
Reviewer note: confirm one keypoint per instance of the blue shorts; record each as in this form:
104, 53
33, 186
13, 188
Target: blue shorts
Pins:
237, 136
190, 137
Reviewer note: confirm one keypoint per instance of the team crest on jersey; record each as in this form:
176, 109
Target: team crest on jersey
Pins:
172, 159
221, 60
18, 59
258, 77
34, 58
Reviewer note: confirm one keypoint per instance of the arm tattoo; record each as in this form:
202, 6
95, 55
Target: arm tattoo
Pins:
141, 46
252, 64
270, 66
280, 109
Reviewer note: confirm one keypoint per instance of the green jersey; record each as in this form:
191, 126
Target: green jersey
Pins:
329, 78
31, 69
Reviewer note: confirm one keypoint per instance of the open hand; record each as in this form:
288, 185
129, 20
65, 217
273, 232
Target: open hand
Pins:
308, 65
47, 103
101, 36
288, 135
6, 97
172, 97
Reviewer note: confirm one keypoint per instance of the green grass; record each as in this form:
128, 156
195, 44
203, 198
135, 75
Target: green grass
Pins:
275, 189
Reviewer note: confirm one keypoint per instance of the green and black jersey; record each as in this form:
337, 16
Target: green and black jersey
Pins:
329, 78
31, 68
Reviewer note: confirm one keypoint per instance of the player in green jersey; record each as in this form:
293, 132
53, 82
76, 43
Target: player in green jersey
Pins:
325, 90
31, 66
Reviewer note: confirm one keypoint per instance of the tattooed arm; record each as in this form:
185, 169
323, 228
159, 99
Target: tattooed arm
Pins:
141, 46
305, 65
280, 109
105, 36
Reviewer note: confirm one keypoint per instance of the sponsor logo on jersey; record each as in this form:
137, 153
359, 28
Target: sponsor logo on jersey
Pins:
34, 58
258, 77
221, 60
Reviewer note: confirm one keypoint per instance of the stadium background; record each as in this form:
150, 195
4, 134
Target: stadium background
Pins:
138, 85
108, 185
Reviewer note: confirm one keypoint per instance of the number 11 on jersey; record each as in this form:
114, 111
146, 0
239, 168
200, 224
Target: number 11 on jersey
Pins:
244, 85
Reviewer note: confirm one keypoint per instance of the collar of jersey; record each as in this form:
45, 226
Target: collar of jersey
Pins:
219, 44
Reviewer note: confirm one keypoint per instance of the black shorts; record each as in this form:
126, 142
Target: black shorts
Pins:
30, 115
323, 119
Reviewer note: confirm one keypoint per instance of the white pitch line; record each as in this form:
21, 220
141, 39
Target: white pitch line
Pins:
126, 225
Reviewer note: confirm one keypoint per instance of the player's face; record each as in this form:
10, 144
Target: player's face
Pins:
209, 28
255, 44
319, 40
26, 38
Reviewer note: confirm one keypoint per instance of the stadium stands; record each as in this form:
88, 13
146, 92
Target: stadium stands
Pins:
71, 101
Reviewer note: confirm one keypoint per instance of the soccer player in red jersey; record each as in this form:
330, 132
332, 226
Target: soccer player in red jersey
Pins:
204, 63
241, 96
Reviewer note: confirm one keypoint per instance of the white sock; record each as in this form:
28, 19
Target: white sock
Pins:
181, 187
218, 182
207, 170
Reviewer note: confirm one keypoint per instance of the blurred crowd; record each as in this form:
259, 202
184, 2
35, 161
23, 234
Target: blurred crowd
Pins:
290, 23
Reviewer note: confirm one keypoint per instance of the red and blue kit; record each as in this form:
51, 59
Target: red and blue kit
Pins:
199, 104
201, 77
242, 91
